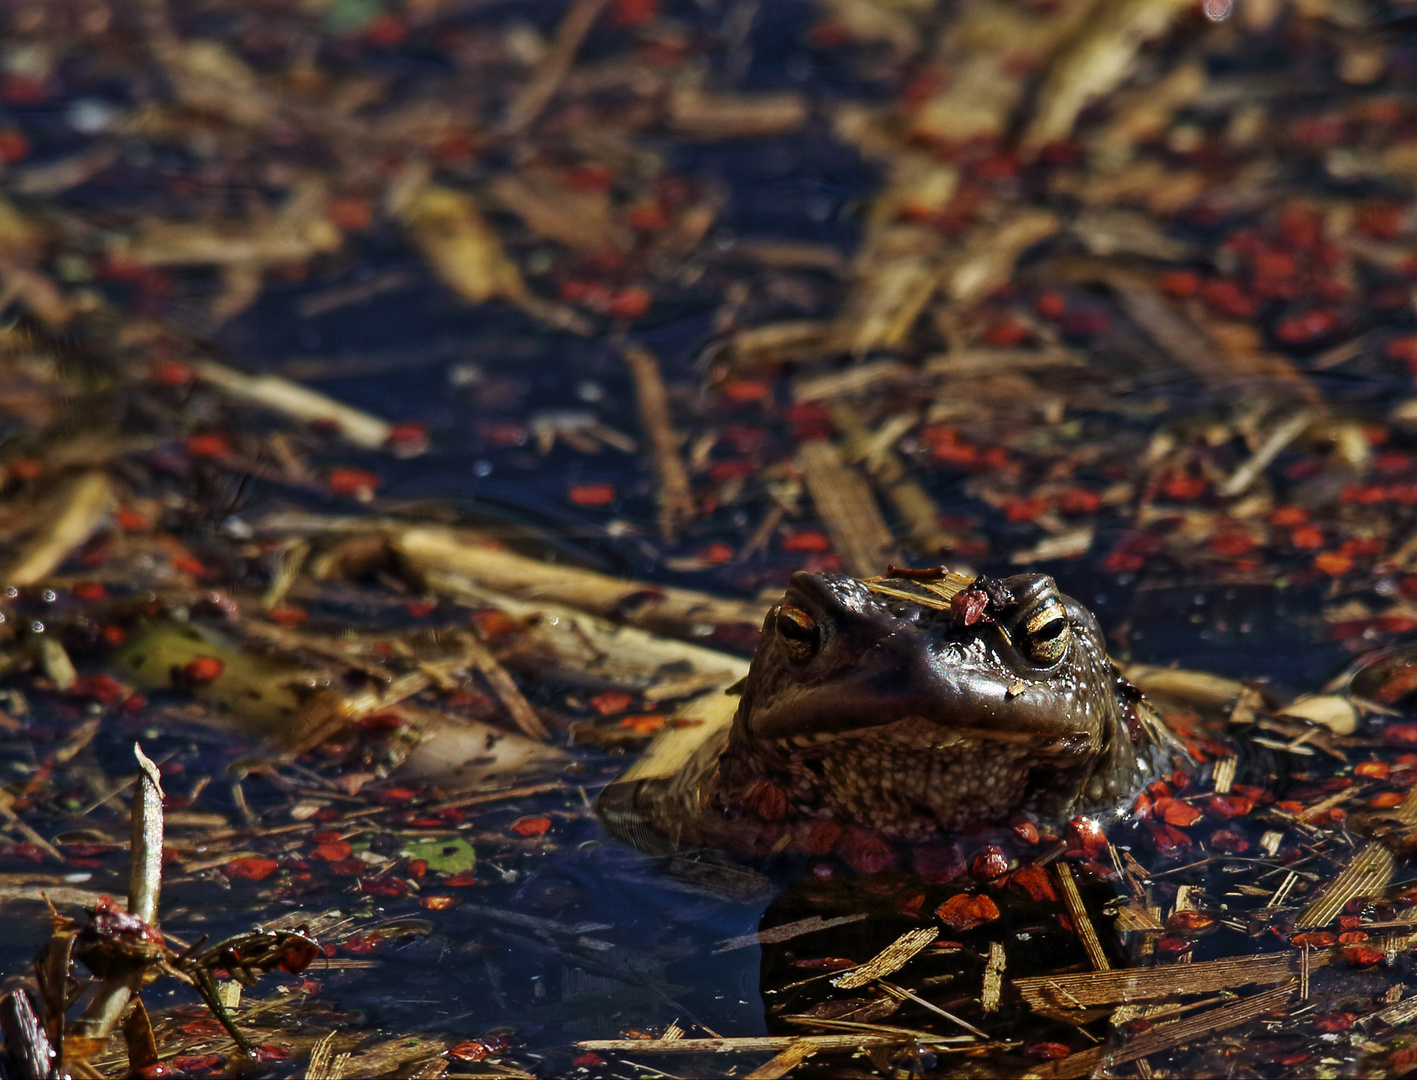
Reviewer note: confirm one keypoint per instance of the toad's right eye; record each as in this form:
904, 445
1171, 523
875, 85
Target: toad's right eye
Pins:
798, 632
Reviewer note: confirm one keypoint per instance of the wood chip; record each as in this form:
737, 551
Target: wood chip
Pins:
1082, 921
1157, 983
676, 503
889, 960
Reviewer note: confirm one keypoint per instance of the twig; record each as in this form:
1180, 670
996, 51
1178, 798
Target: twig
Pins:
1268, 450
554, 65
523, 715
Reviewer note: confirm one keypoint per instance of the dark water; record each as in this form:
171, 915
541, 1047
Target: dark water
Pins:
611, 940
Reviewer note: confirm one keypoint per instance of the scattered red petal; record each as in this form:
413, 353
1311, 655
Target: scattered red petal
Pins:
963, 912
332, 851
531, 825
251, 869
208, 446
1036, 882
203, 669
990, 863
353, 484
806, 542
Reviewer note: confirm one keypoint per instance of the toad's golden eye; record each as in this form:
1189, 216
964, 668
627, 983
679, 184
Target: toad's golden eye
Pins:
1046, 632
798, 632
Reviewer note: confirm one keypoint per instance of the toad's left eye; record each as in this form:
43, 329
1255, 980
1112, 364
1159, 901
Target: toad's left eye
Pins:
1045, 632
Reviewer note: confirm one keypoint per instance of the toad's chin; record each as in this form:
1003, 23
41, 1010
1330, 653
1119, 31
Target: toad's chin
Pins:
917, 776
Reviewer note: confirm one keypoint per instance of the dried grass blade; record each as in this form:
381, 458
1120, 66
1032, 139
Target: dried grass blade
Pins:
1178, 1032
1094, 61
912, 502
145, 873
991, 253
847, 507
26, 1043
993, 978
1284, 434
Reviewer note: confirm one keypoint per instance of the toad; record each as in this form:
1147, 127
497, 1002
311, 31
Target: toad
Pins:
913, 704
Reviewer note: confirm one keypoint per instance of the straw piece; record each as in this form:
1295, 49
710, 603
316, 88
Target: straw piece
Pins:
507, 691
787, 931
456, 562
298, 402
676, 503
1155, 984
847, 507
993, 978
735, 116
991, 253
912, 502
86, 505
1086, 932
1093, 62
753, 1044
1366, 875
1248, 470
785, 1061
889, 960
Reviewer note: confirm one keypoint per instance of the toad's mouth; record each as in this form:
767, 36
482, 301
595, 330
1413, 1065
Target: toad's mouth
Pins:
949, 736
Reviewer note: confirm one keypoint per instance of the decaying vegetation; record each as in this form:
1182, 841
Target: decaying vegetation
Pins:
1121, 289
